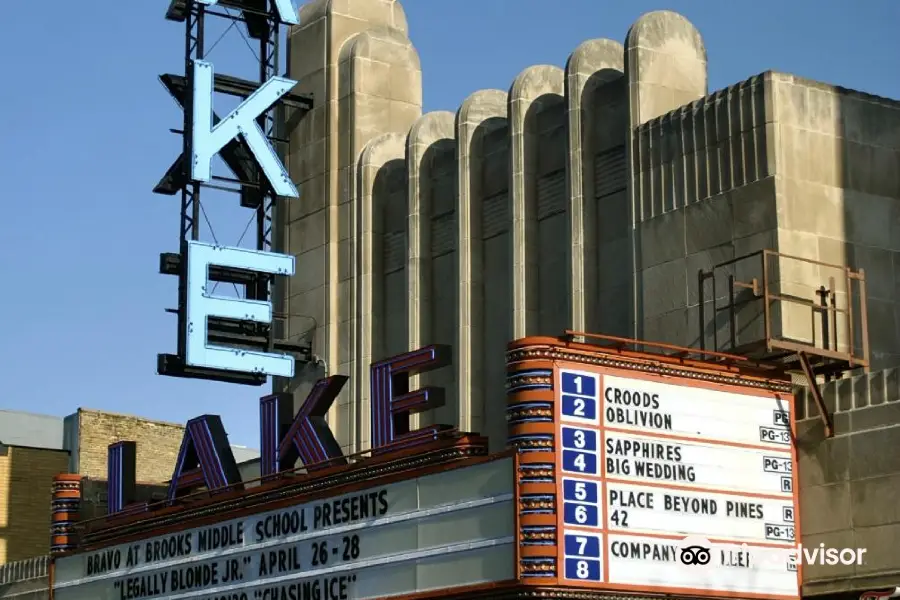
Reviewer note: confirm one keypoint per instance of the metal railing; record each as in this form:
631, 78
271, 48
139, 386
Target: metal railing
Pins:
24, 570
842, 342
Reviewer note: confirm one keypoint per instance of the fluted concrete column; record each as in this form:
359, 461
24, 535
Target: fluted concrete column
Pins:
432, 134
665, 63
480, 113
354, 56
665, 60
533, 86
379, 157
592, 64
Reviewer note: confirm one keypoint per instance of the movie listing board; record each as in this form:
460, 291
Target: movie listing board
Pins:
648, 463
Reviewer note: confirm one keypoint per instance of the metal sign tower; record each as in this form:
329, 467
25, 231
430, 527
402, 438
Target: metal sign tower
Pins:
228, 339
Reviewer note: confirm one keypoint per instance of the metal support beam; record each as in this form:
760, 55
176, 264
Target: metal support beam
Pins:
170, 264
253, 13
237, 87
190, 192
267, 199
816, 394
174, 366
235, 154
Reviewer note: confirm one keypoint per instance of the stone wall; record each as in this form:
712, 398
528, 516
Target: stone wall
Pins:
469, 229
26, 476
775, 162
848, 483
839, 203
704, 193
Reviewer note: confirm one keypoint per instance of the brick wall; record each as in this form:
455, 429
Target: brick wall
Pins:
26, 475
157, 444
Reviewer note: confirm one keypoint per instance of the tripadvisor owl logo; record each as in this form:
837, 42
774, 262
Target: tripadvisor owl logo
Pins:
694, 550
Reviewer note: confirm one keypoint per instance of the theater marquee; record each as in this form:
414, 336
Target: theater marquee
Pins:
647, 461
434, 532
642, 457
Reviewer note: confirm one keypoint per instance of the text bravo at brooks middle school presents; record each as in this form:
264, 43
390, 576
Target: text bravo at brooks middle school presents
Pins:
437, 531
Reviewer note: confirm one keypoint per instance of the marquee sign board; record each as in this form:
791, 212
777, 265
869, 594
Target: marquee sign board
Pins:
647, 461
450, 529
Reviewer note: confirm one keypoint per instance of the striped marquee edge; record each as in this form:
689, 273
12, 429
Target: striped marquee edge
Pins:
65, 505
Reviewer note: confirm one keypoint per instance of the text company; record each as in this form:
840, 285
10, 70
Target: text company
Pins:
206, 460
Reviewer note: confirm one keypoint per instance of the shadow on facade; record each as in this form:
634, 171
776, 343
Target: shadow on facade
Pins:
844, 172
390, 240
609, 259
438, 272
869, 188
546, 255
490, 296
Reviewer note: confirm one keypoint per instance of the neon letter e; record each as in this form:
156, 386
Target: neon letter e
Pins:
201, 304
393, 402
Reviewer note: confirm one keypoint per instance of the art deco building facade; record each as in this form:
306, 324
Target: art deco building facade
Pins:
591, 197
585, 197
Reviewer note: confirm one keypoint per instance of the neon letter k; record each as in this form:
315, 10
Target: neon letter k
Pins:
308, 437
207, 141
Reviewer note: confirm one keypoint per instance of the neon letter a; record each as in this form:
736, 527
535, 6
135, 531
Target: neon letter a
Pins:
205, 459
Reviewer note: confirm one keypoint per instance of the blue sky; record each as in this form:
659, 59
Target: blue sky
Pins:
86, 127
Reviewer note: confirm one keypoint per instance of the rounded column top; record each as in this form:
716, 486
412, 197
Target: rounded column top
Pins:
389, 13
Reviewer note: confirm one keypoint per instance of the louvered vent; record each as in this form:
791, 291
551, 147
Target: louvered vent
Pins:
443, 232
551, 194
394, 251
610, 172
494, 215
